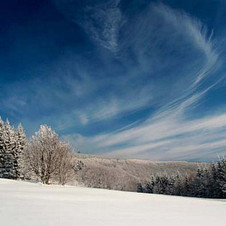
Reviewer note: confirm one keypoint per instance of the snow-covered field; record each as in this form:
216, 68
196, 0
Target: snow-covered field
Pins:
29, 204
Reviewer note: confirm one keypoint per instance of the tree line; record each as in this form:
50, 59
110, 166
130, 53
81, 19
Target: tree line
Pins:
43, 156
207, 182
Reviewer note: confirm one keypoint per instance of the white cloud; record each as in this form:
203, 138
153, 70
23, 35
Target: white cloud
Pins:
197, 33
168, 138
168, 134
83, 118
103, 22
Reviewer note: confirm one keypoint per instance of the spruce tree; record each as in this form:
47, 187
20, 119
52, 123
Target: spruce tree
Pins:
12, 143
10, 162
19, 154
1, 148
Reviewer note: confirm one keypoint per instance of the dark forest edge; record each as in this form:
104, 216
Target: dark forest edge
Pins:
208, 182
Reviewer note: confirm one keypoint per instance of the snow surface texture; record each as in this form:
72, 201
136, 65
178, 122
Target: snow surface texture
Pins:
30, 204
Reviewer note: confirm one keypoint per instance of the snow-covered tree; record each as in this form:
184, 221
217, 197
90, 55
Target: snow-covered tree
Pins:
21, 145
208, 182
2, 168
65, 171
12, 143
48, 157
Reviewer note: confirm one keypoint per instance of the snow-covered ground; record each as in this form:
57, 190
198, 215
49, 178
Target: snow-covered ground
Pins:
29, 204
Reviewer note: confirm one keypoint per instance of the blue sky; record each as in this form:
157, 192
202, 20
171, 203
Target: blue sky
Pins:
131, 79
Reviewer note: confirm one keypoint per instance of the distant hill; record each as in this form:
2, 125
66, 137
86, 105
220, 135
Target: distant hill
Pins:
125, 174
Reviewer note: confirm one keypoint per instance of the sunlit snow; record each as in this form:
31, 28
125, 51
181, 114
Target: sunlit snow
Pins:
31, 204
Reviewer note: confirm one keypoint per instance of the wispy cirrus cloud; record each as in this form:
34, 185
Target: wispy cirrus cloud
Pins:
103, 23
166, 138
198, 34
168, 133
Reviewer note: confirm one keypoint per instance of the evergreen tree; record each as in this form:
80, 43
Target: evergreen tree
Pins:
21, 144
221, 177
208, 182
139, 187
12, 143
1, 148
8, 146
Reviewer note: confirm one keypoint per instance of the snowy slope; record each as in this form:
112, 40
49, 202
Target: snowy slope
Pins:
28, 204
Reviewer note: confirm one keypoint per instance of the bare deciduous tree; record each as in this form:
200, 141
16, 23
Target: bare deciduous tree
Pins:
65, 170
47, 157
